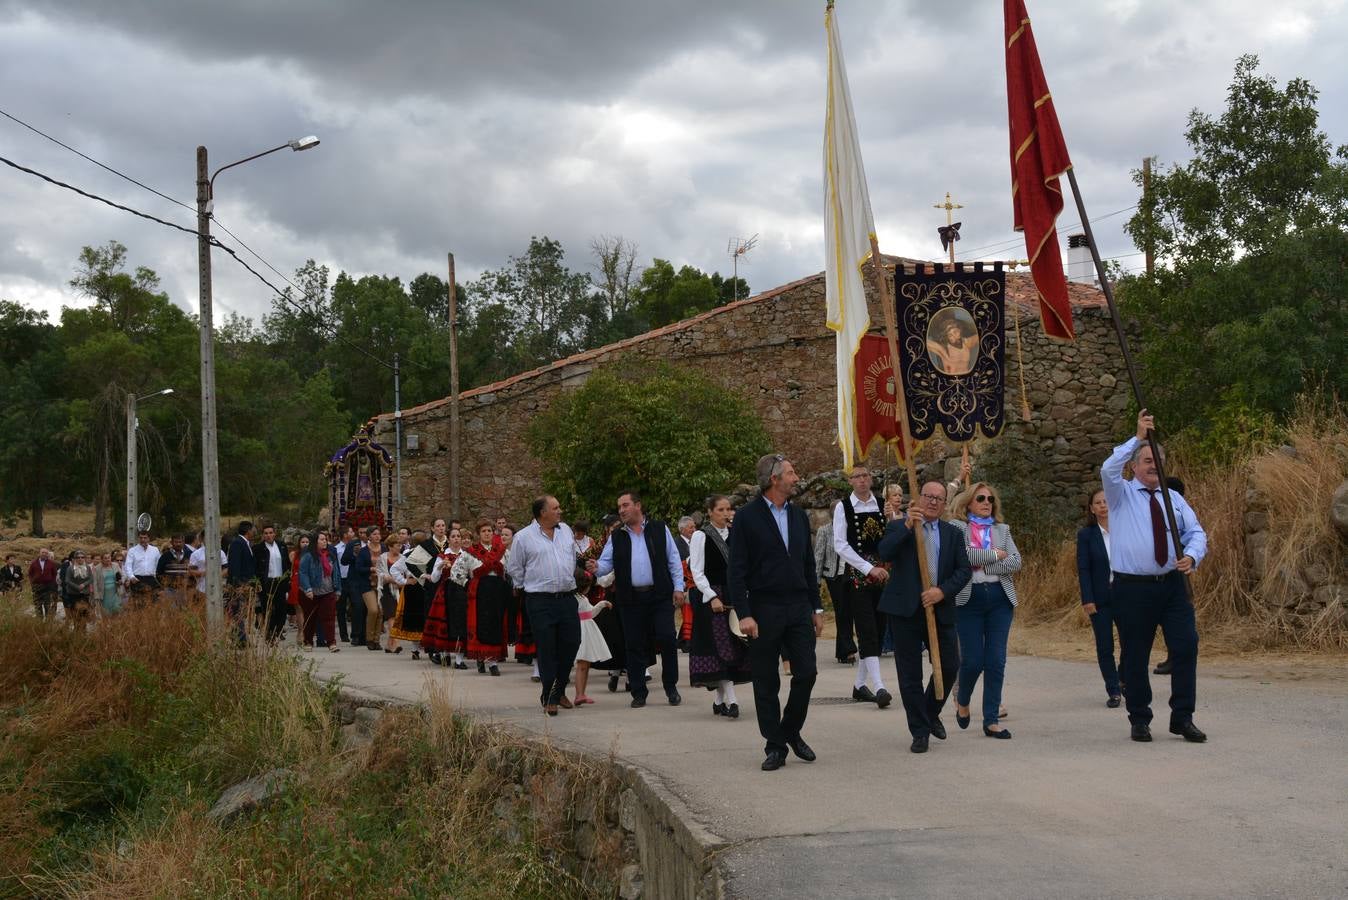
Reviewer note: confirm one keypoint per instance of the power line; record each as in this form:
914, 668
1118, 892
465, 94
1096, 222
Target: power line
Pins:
1018, 240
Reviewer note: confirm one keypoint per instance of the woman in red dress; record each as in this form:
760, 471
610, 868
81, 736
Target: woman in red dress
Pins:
479, 568
443, 633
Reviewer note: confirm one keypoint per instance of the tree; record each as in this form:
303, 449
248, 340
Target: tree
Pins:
1249, 298
616, 261
623, 431
545, 300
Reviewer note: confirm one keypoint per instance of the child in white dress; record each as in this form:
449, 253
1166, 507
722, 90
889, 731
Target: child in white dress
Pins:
593, 647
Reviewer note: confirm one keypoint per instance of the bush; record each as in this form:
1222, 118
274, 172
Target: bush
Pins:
670, 433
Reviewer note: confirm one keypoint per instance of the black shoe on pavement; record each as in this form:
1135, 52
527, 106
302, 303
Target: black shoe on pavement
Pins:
638, 702
1164, 667
883, 698
732, 711
801, 749
774, 761
613, 684
481, 667
1189, 731
1142, 734
863, 694
1114, 702
1000, 733
937, 729
919, 744
674, 698
718, 709
493, 670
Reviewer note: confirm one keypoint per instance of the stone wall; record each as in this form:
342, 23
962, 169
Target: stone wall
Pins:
774, 349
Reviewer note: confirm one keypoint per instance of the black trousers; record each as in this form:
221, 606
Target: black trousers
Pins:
1139, 608
862, 601
1102, 624
352, 599
785, 630
556, 627
910, 637
650, 617
273, 606
843, 645
341, 614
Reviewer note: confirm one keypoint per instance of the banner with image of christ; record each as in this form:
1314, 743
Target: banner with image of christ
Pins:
953, 341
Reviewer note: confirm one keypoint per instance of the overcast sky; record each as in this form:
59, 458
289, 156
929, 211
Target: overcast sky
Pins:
470, 126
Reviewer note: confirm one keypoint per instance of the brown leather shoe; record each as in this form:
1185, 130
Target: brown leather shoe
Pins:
551, 709
564, 703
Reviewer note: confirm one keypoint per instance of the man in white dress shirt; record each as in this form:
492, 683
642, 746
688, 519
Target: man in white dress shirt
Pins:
273, 572
141, 570
1150, 586
858, 526
542, 563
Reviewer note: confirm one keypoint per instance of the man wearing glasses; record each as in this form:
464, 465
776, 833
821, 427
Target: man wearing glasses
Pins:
905, 602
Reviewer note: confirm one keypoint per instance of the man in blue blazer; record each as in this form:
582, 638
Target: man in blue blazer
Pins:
905, 602
775, 592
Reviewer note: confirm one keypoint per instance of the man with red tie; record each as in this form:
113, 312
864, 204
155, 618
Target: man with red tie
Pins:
1150, 586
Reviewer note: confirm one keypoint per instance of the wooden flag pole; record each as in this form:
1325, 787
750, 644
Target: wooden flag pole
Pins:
1108, 291
901, 415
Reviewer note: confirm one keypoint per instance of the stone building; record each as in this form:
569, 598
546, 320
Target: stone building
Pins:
773, 348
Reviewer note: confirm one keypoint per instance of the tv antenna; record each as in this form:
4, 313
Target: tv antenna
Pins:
738, 247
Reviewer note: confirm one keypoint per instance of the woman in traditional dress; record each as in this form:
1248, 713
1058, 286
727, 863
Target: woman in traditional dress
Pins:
393, 576
79, 590
593, 648
409, 619
435, 637
718, 660
479, 569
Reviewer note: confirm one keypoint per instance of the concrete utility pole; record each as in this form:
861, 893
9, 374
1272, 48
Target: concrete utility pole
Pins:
453, 393
210, 466
398, 431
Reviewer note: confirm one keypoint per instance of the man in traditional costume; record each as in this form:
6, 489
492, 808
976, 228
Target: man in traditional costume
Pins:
858, 526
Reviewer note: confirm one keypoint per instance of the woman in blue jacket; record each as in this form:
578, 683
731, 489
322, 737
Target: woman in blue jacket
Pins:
320, 585
1095, 576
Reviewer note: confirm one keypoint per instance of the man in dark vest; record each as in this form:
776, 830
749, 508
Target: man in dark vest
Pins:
648, 581
775, 592
858, 525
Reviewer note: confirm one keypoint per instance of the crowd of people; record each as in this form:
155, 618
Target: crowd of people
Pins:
739, 593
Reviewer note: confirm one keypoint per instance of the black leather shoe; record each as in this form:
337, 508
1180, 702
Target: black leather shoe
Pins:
937, 729
638, 702
774, 761
919, 744
1164, 667
613, 684
962, 721
1114, 702
1001, 734
732, 711
481, 667
883, 698
461, 665
493, 670
801, 749
1189, 731
1142, 733
863, 694
718, 709
674, 698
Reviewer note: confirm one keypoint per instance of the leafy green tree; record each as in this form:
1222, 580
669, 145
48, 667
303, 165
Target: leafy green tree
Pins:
1248, 300
665, 296
545, 300
640, 431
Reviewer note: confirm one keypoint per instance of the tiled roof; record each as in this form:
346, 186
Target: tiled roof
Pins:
1020, 290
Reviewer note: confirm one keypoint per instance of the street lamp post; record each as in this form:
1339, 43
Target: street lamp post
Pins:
132, 487
210, 464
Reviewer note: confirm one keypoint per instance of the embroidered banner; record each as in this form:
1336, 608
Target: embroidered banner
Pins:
876, 397
953, 342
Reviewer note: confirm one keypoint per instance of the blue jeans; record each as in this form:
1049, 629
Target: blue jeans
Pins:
983, 625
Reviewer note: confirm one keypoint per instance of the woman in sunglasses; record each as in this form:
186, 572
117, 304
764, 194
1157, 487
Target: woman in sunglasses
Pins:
986, 604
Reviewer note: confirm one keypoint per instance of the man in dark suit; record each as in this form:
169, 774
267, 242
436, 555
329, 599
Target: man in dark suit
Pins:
775, 592
271, 560
905, 602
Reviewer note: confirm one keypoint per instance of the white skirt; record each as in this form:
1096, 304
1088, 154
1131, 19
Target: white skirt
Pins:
593, 647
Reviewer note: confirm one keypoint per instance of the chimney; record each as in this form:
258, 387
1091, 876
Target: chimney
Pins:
1080, 266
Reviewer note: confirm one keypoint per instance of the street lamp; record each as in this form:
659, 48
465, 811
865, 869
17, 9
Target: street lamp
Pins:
132, 490
210, 467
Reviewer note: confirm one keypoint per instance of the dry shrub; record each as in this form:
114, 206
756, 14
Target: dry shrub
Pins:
1237, 611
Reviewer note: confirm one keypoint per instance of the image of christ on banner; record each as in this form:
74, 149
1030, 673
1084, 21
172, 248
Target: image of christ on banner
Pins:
952, 334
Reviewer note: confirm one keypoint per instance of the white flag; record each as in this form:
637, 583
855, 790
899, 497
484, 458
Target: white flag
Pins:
848, 229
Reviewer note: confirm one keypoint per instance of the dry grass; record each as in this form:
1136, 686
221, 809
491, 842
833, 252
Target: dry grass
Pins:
1237, 610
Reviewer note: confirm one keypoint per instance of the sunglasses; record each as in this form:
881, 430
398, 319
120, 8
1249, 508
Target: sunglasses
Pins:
985, 498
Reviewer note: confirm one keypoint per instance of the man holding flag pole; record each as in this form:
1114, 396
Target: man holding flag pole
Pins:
850, 241
1153, 592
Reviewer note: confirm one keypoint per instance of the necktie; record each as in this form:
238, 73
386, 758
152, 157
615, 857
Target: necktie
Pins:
932, 550
1160, 547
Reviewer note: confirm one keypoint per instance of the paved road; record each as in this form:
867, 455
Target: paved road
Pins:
1068, 808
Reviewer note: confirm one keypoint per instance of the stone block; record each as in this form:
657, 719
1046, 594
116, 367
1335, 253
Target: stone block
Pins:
1338, 509
627, 810
248, 795
630, 883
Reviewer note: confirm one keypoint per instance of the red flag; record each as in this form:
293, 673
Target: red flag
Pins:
875, 396
1038, 157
